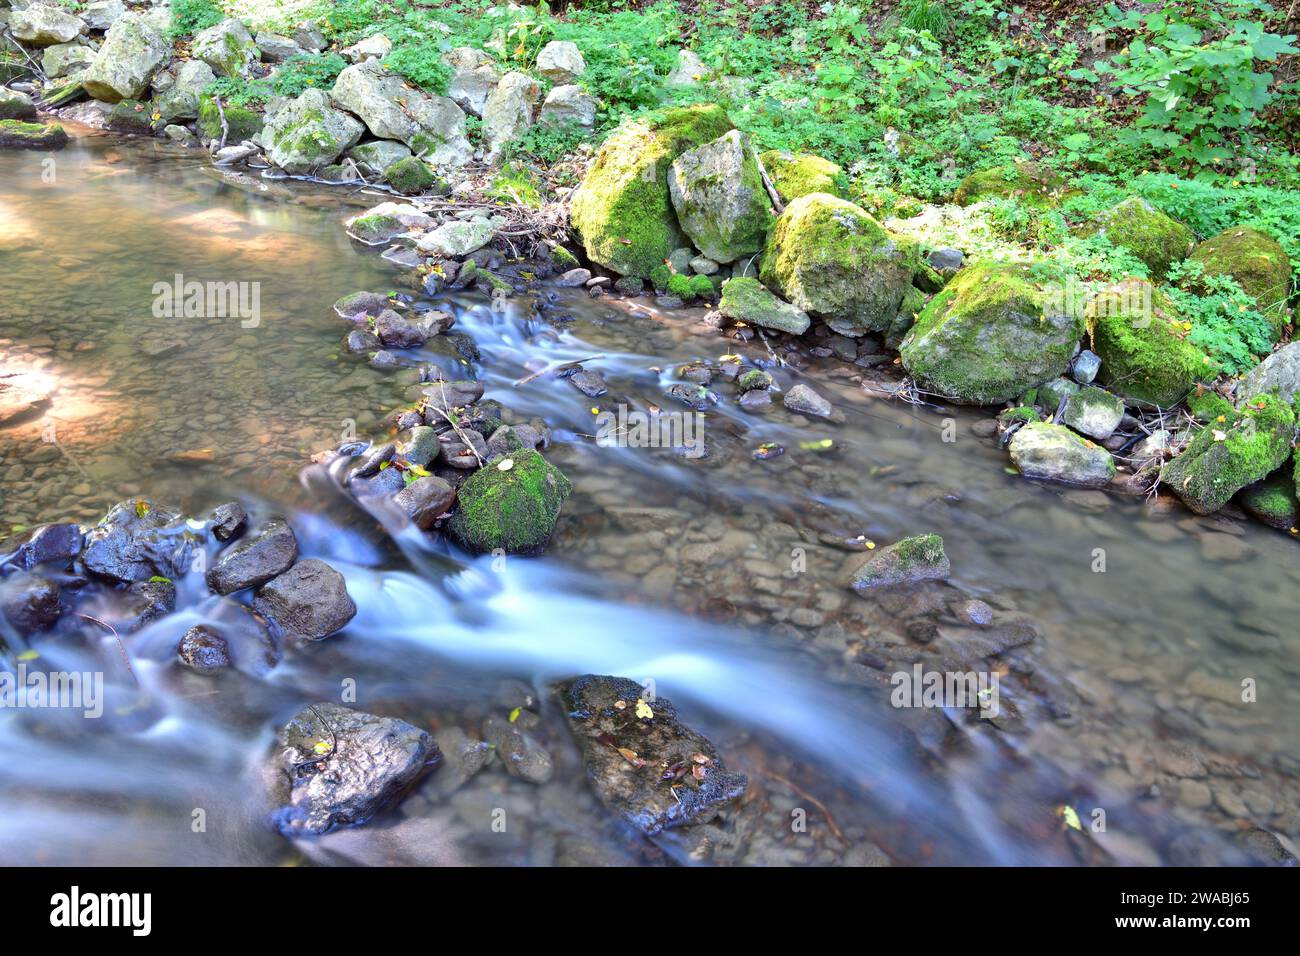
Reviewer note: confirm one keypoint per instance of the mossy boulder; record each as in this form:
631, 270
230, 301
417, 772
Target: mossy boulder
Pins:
832, 259
410, 176
15, 134
227, 47
1256, 261
1032, 184
511, 503
180, 101
1225, 457
910, 561
1143, 230
623, 210
719, 197
241, 122
131, 116
746, 299
994, 332
1272, 501
132, 52
798, 174
308, 133
15, 105
1142, 342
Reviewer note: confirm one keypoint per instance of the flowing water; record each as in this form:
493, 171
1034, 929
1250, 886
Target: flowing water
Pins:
717, 577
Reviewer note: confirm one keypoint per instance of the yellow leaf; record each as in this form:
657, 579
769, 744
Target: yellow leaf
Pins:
1071, 818
514, 714
643, 710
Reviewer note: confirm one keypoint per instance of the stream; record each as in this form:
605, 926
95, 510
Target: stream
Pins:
1132, 623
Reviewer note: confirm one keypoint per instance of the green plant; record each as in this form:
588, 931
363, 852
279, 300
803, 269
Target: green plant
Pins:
305, 71
191, 16
240, 91
1223, 318
929, 15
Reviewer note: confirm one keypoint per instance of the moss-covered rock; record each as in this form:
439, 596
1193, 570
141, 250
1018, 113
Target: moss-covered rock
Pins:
832, 259
1030, 183
1208, 406
241, 122
15, 134
719, 197
308, 133
131, 116
1272, 501
1139, 227
132, 52
1225, 457
1048, 452
1142, 342
15, 105
912, 560
798, 174
512, 503
410, 176
746, 299
1256, 261
993, 333
623, 210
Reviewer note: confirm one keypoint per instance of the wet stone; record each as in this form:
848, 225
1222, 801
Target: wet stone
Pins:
521, 754
591, 384
51, 543
308, 602
29, 603
425, 500
228, 520
203, 650
255, 560
138, 540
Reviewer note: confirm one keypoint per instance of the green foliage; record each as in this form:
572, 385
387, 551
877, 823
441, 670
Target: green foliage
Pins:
307, 70
191, 16
931, 16
240, 91
1225, 322
546, 144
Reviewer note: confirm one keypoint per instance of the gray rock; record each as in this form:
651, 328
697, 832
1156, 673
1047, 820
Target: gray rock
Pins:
203, 650
1085, 366
717, 191
396, 332
181, 100
255, 560
591, 384
360, 342
689, 71
145, 601
909, 561
308, 133
523, 756
1054, 453
1280, 372
457, 239
432, 126
42, 25
704, 266
946, 261
15, 105
1093, 412
804, 400
561, 62
102, 14
28, 602
308, 602
341, 767
276, 48
137, 540
425, 500
462, 758
227, 47
474, 77
374, 158
421, 446
51, 543
228, 520
372, 47
131, 54
309, 37
508, 112
574, 278
361, 303
569, 105
64, 59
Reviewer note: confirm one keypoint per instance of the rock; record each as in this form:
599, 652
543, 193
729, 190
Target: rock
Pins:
309, 37
645, 765
591, 384
804, 400
512, 503
569, 105
457, 239
91, 113
360, 342
276, 48
519, 751
800, 174
909, 561
51, 543
132, 52
374, 47
361, 303
831, 259
15, 134
130, 116
1027, 182
65, 59
462, 756
102, 14
240, 123
42, 25
15, 105
717, 191
561, 62
508, 112
379, 225
425, 500
375, 158
747, 300
341, 767
255, 560
574, 278
946, 262
689, 70
308, 133
28, 602
1256, 261
421, 447
227, 47
1279, 374
1146, 232
180, 135
308, 602
753, 380
410, 176
1054, 453
1093, 412
228, 520
447, 397
21, 395
991, 334
137, 540
511, 438
704, 266
474, 77
181, 101
432, 126
146, 601
1272, 501
1084, 367
1225, 457
623, 210
203, 650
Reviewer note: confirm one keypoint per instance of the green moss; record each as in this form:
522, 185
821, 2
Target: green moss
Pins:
726, 220
15, 134
1256, 261
1208, 406
410, 176
130, 116
514, 509
623, 210
376, 228
1272, 501
1224, 458
1021, 414
563, 258
746, 299
994, 332
1141, 339
753, 380
1146, 232
241, 122
919, 558
798, 174
1031, 183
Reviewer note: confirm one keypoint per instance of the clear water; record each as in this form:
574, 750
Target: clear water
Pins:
712, 577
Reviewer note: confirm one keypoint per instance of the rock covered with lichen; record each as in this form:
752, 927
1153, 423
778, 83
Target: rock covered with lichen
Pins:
745, 299
719, 197
308, 133
909, 561
995, 331
1050, 452
1030, 183
1147, 233
132, 52
1256, 261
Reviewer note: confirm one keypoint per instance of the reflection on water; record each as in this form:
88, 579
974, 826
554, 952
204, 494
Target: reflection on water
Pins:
718, 578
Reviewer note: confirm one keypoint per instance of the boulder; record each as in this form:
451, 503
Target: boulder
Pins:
745, 299
805, 401
432, 126
1027, 182
689, 70
138, 540
508, 112
308, 133
235, 123
1225, 457
102, 14
561, 62
474, 77
569, 105
623, 210
1256, 261
65, 59
798, 174
1279, 373
1143, 346
308, 602
340, 767
255, 560
228, 520
28, 603
15, 105
227, 47
181, 100
276, 48
457, 239
1272, 501
909, 561
132, 53
374, 47
992, 334
645, 765
41, 25
512, 504
718, 194
375, 226
1054, 453
51, 543
1093, 412
425, 500
1146, 232
375, 158
833, 260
